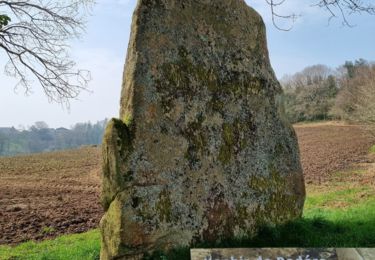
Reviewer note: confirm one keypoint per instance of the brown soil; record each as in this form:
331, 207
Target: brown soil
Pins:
46, 195
331, 147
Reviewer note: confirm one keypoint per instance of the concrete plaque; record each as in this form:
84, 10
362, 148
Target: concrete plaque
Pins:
265, 254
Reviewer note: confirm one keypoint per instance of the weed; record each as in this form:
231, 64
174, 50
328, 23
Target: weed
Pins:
48, 230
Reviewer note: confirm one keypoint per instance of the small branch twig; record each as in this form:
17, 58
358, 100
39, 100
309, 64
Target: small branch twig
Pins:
35, 40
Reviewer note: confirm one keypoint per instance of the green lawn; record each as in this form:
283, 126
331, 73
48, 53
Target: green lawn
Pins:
73, 247
338, 214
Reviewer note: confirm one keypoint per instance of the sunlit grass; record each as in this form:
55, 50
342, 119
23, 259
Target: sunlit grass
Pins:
85, 246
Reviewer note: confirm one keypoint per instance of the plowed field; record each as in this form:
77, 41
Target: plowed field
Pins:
328, 148
45, 195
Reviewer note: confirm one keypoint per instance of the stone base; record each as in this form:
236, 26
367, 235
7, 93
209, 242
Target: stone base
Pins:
284, 254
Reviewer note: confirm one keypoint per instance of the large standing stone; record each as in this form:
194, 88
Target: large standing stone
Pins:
201, 152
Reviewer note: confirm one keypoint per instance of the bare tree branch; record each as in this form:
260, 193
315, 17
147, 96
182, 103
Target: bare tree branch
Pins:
34, 35
335, 8
275, 15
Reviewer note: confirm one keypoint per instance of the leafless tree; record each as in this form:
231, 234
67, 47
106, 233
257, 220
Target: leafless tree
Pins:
335, 8
356, 100
35, 34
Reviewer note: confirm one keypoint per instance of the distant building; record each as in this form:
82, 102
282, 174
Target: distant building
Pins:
62, 129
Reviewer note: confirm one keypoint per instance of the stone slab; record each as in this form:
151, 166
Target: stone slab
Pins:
283, 254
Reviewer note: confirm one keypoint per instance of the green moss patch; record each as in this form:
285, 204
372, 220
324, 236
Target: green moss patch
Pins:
164, 206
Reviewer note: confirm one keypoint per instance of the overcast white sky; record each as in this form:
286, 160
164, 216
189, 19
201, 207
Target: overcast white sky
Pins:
102, 50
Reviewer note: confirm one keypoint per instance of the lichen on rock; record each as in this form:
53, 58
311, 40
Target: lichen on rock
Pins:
201, 151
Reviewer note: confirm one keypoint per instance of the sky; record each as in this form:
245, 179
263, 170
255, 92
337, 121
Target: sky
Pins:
102, 50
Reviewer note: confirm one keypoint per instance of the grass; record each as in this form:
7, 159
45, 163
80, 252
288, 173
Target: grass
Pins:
372, 149
48, 230
338, 199
85, 246
340, 213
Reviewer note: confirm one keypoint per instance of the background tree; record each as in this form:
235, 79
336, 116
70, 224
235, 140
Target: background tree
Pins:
39, 125
35, 34
310, 94
320, 93
356, 99
4, 20
40, 138
3, 141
